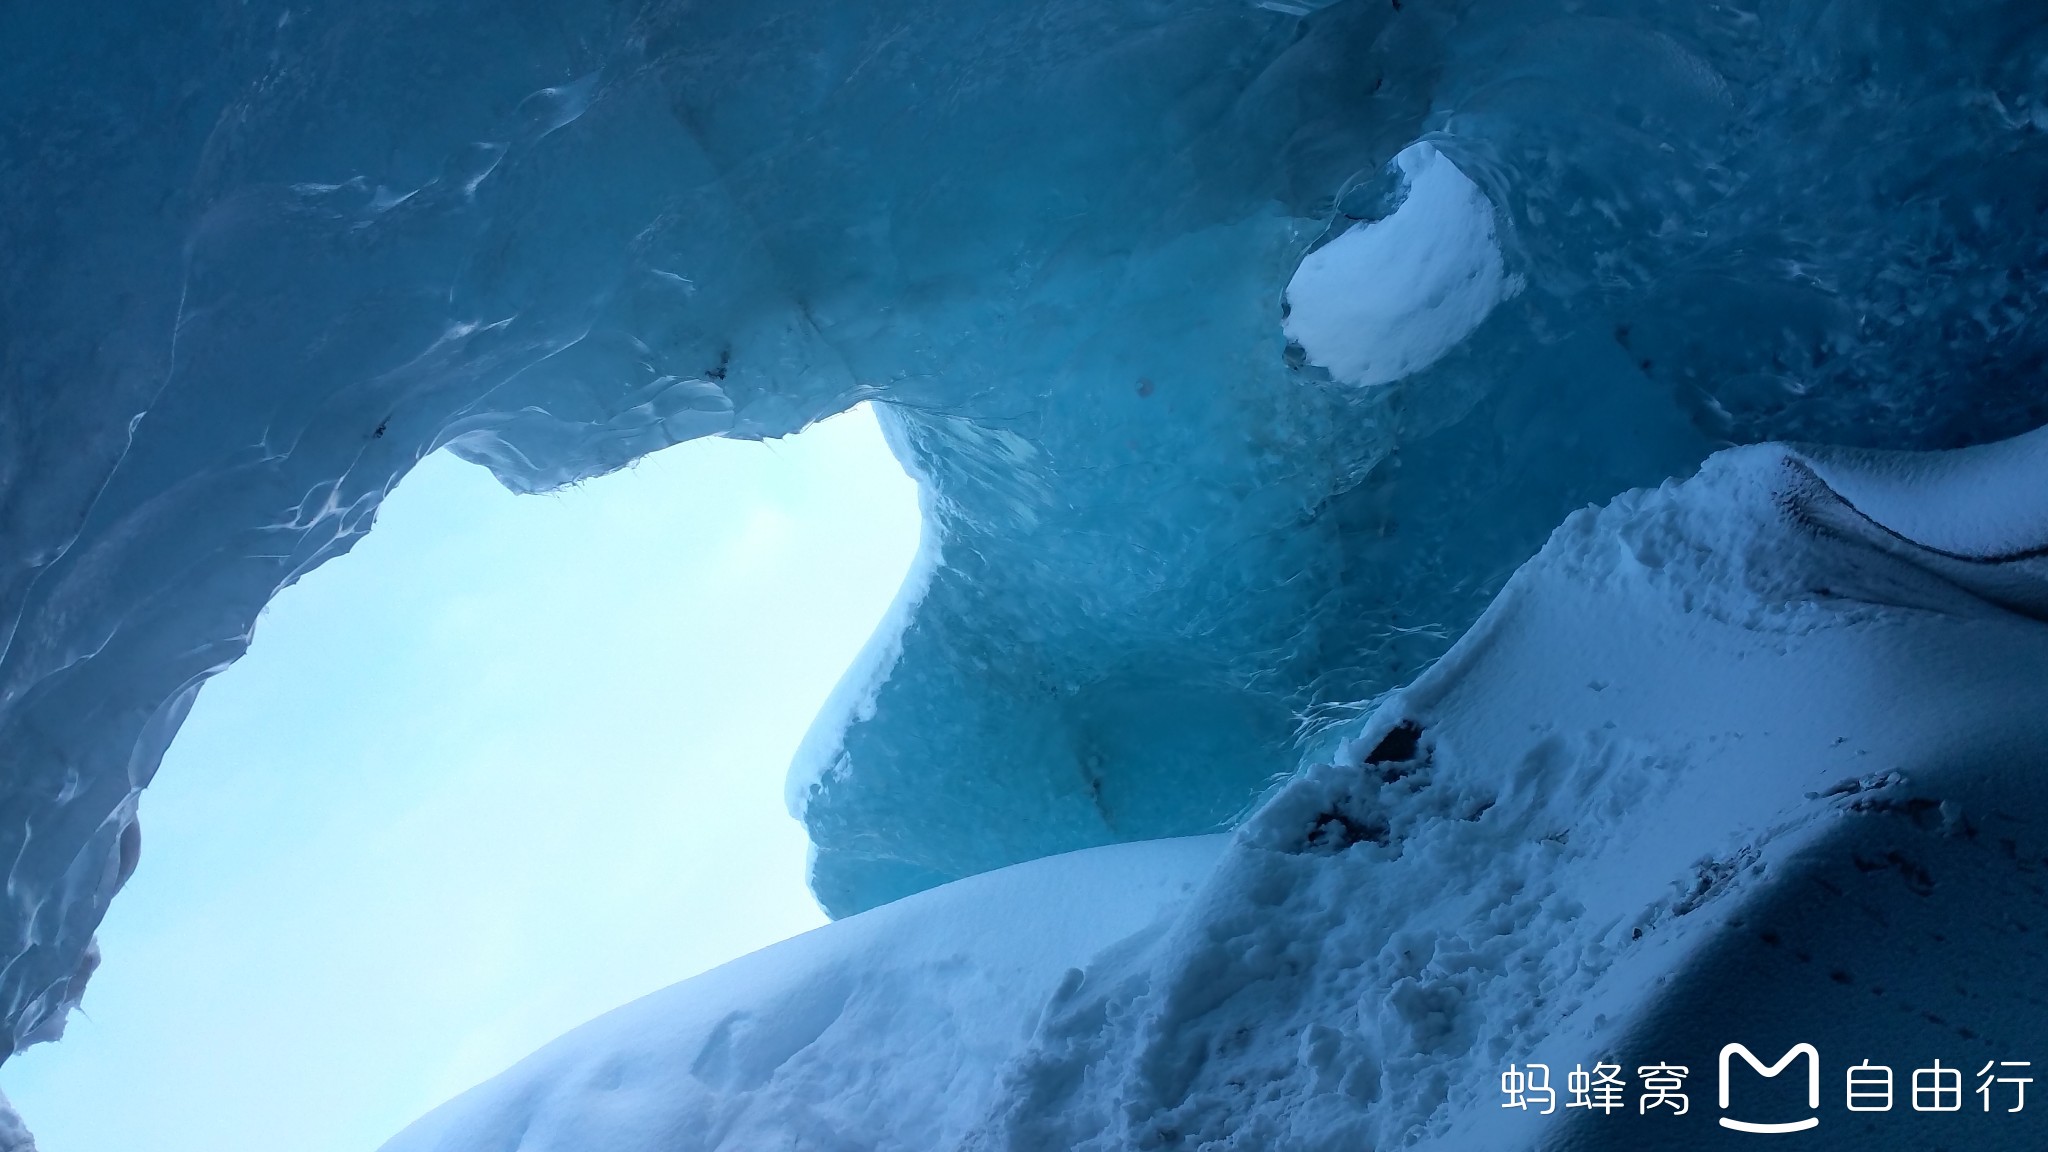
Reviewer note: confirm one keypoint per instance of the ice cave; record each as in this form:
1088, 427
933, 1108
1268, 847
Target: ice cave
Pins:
1484, 579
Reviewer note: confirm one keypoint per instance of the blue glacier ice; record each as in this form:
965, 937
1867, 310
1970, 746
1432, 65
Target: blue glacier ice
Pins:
1218, 448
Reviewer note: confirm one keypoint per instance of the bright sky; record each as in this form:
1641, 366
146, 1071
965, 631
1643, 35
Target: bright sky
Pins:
513, 761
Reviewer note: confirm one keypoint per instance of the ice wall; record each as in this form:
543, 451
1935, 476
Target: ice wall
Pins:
261, 257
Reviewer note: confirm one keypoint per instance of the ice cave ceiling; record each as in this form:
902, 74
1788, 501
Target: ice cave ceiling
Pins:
259, 258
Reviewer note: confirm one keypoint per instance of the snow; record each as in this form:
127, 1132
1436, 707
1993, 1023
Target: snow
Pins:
1389, 297
883, 1030
1962, 503
1695, 709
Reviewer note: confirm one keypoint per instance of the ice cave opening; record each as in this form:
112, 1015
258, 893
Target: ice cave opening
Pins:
512, 762
1576, 466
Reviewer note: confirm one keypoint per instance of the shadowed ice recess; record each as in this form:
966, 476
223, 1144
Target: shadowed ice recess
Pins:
1242, 354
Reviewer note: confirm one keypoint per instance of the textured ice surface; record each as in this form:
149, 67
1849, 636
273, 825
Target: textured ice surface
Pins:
261, 257
1730, 760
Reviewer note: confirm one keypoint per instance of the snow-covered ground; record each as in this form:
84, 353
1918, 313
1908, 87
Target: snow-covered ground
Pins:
884, 1030
1745, 758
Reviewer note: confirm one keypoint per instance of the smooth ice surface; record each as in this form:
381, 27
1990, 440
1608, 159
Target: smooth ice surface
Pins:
387, 860
264, 257
1727, 761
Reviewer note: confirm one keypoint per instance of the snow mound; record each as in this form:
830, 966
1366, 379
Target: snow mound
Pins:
883, 1030
1728, 761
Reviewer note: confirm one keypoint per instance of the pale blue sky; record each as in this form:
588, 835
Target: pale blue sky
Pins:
510, 763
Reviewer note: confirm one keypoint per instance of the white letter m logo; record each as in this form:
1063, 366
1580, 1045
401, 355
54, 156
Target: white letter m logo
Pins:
1785, 1061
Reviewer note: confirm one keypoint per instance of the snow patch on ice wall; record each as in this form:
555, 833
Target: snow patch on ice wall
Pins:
1388, 297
